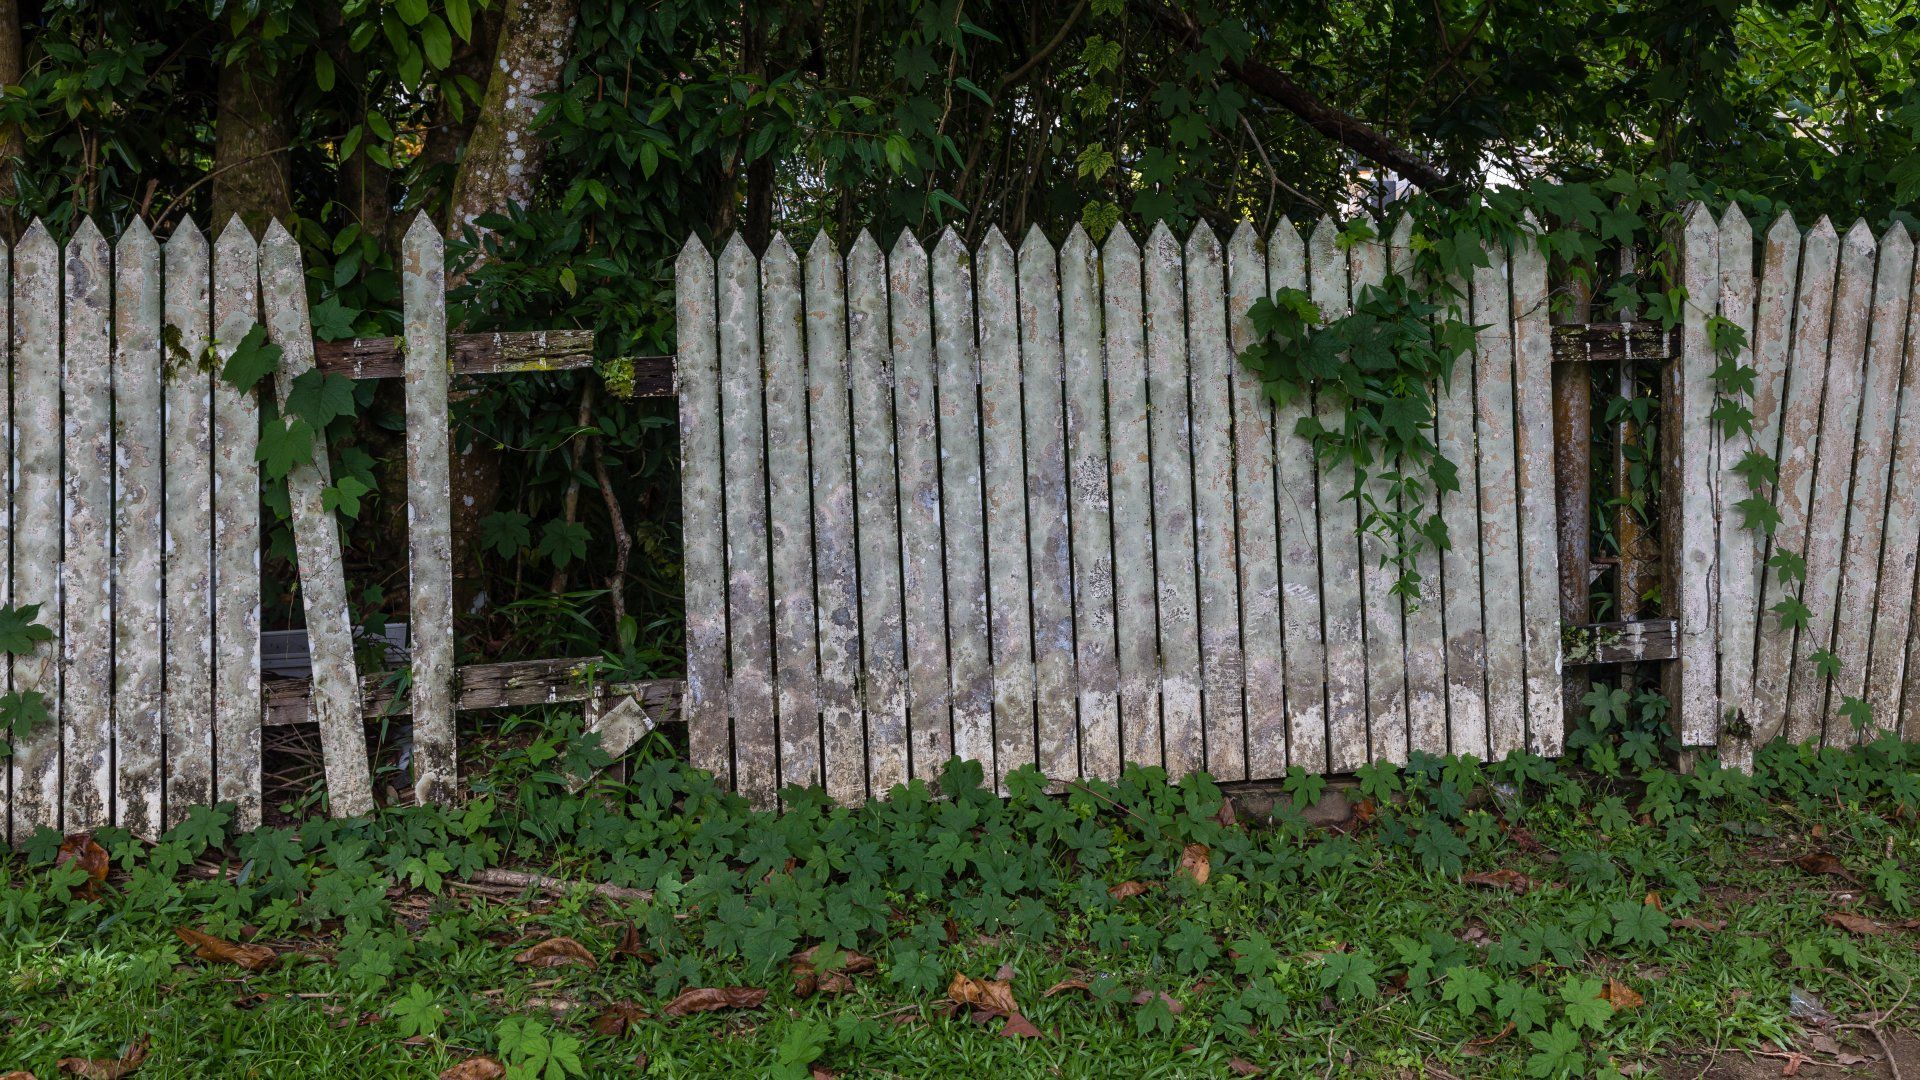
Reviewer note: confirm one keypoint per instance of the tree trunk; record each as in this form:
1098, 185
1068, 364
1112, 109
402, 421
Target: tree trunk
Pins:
453, 117
250, 169
11, 143
501, 165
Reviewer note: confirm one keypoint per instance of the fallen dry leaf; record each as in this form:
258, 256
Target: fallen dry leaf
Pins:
1173, 1005
834, 980
1243, 1067
479, 1068
1621, 996
81, 850
819, 1072
630, 946
1500, 879
1857, 924
208, 947
1653, 901
1227, 815
1707, 925
1127, 890
107, 1068
1019, 1027
617, 1017
714, 998
1196, 862
18, 1074
1060, 987
1821, 862
987, 995
555, 952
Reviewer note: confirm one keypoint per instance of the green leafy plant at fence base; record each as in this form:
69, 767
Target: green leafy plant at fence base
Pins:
22, 712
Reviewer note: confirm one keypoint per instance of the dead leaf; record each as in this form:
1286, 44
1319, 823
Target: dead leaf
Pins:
1821, 862
1019, 1027
987, 995
1005, 973
820, 1072
1621, 996
1060, 987
1196, 862
1226, 816
1514, 880
1127, 890
208, 947
1707, 925
479, 1068
1653, 901
18, 1074
1857, 924
107, 1068
81, 850
555, 952
714, 998
1173, 1005
835, 980
630, 946
617, 1017
1242, 1067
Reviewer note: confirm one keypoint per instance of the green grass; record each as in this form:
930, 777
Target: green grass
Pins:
1305, 950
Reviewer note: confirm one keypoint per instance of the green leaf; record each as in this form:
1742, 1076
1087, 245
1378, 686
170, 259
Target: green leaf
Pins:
411, 11
344, 497
319, 398
437, 42
417, 1012
19, 633
563, 542
323, 73
1469, 988
1584, 1004
460, 17
284, 443
332, 320
254, 358
505, 533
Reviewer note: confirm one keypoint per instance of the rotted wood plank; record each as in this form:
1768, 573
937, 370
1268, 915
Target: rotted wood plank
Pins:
1047, 544
843, 742
1832, 486
323, 586
1257, 515
495, 353
1090, 507
1738, 599
1621, 642
1132, 478
1687, 489
1612, 342
1801, 389
703, 547
1466, 638
138, 603
1499, 510
236, 534
1888, 662
796, 660
516, 684
1861, 566
1385, 635
188, 520
436, 751
916, 442
1343, 595
1216, 535
1297, 502
86, 568
1003, 443
35, 518
1170, 435
1533, 462
962, 513
756, 751
882, 634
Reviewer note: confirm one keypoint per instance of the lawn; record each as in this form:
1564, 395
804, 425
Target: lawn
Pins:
1524, 918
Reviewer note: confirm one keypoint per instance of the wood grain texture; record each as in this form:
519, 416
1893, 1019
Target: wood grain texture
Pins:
86, 567
1499, 510
1802, 387
1135, 624
877, 510
188, 521
1297, 499
1689, 536
139, 541
1736, 589
1256, 515
1465, 626
1533, 472
843, 740
917, 447
1887, 663
1342, 593
1048, 542
323, 587
1424, 626
430, 640
515, 684
1215, 521
796, 660
236, 534
756, 753
1381, 609
1170, 435
35, 518
499, 352
702, 513
1003, 442
1090, 509
1867, 517
963, 514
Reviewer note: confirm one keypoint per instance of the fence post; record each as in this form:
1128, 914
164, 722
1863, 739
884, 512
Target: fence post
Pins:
1688, 520
429, 516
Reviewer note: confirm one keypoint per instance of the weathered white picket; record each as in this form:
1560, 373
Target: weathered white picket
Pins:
1106, 547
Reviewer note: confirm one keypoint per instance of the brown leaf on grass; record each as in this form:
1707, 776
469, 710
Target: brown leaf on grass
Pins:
18, 1074
1478, 1047
1501, 879
1242, 1067
81, 850
617, 1017
555, 952
715, 998
1653, 901
1127, 890
208, 947
1707, 925
1065, 985
987, 995
1621, 996
476, 1068
834, 980
1019, 1027
1227, 815
1856, 924
630, 946
820, 1072
1173, 1005
1822, 862
1196, 862
107, 1068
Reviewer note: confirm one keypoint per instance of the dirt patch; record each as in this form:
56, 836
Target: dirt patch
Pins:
1842, 1054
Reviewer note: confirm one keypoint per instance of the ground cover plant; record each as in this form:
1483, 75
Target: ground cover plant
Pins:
1519, 918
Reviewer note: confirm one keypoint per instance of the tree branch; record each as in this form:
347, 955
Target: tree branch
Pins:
1344, 128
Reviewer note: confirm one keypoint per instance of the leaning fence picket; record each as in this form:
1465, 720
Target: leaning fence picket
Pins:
86, 583
1424, 628
1343, 596
1133, 579
749, 607
1170, 438
1736, 590
1040, 374
430, 692
137, 549
1499, 518
36, 518
703, 553
1888, 664
1090, 508
188, 521
962, 513
1298, 502
1257, 516
1466, 639
1533, 473
1003, 442
236, 534
1385, 631
790, 513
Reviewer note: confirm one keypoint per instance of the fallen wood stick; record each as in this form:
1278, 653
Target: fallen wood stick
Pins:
520, 879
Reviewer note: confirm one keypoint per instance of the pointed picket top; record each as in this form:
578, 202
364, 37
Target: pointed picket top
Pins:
187, 239
822, 251
994, 247
1823, 228
736, 250
1896, 237
780, 248
1203, 242
233, 232
87, 234
1401, 236
1736, 236
1120, 242
1733, 220
36, 233
1325, 231
277, 241
1161, 242
949, 245
864, 245
1859, 238
908, 246
1035, 244
1244, 240
1286, 254
1784, 229
424, 225
135, 241
694, 248
1078, 245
